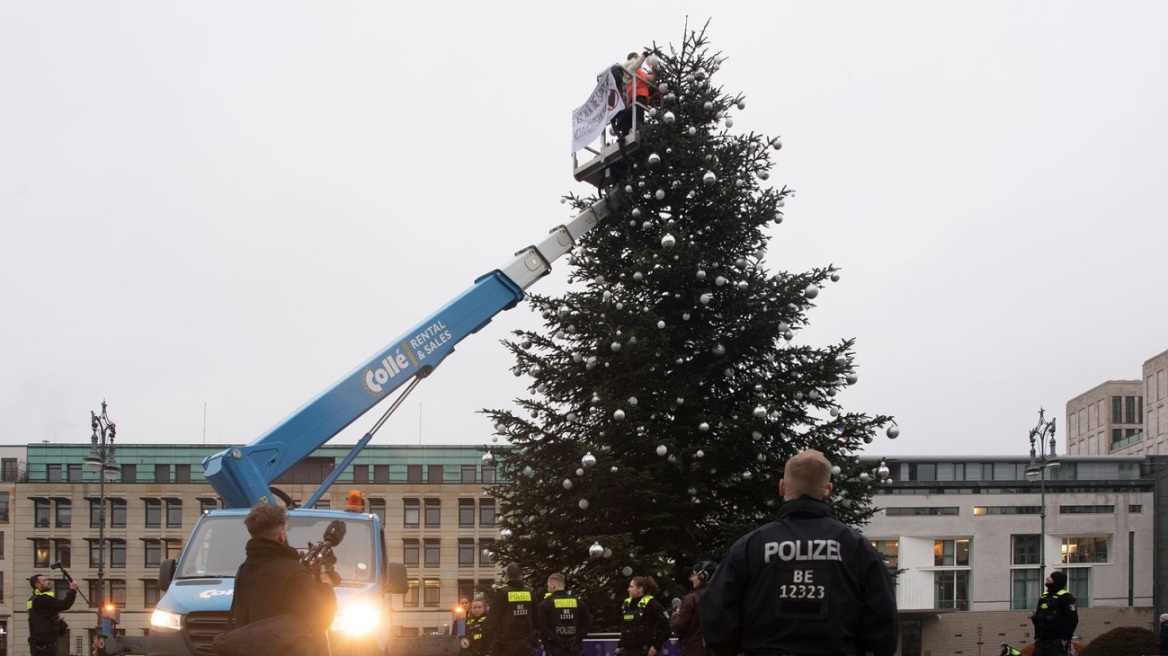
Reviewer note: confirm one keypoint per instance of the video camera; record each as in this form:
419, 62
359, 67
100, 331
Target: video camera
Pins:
65, 573
320, 559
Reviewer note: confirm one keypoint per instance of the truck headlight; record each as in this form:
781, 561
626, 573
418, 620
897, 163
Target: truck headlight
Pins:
165, 621
357, 619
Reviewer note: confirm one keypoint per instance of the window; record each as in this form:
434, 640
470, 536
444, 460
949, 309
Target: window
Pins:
1079, 584
948, 553
95, 553
1, 545
380, 473
361, 474
888, 550
911, 512
1007, 510
1087, 510
466, 588
466, 549
1026, 588
412, 513
173, 513
434, 474
1025, 549
182, 473
413, 473
377, 507
40, 553
433, 553
3, 507
486, 552
433, 513
117, 553
161, 473
207, 505
488, 475
9, 469
129, 473
466, 513
1084, 550
951, 589
64, 553
153, 513
117, 592
1135, 508
40, 513
469, 474
64, 513
73, 473
487, 512
410, 553
1117, 409
153, 553
117, 513
150, 592
432, 588
54, 473
411, 597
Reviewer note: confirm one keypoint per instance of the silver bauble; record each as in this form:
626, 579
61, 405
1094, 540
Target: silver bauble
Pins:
699, 454
595, 551
588, 460
528, 472
851, 379
583, 504
883, 472
719, 281
811, 292
741, 104
835, 471
654, 159
719, 350
685, 316
505, 533
778, 144
835, 277
729, 122
488, 459
704, 427
661, 450
709, 178
708, 105
893, 432
663, 87
692, 130
615, 346
613, 469
567, 483
660, 324
636, 212
607, 552
618, 414
760, 412
701, 274
742, 284
756, 435
638, 276
632, 400
627, 571
669, 117
764, 175
668, 241
659, 194
628, 189
704, 299
864, 476
747, 475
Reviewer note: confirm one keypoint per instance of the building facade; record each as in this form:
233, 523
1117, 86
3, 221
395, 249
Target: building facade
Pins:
1122, 417
439, 523
968, 539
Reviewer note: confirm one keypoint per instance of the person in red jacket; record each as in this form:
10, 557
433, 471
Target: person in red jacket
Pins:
686, 623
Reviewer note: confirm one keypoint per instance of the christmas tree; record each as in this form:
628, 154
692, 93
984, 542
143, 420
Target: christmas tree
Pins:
669, 386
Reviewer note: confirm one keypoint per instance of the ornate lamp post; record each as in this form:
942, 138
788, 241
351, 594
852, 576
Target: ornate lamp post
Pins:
101, 460
1043, 456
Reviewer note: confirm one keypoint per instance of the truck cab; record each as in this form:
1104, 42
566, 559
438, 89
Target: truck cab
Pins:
200, 585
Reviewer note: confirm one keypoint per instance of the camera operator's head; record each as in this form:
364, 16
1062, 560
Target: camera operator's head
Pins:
269, 522
39, 582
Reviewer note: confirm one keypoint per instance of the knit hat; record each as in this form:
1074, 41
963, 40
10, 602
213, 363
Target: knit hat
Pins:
1164, 617
1059, 579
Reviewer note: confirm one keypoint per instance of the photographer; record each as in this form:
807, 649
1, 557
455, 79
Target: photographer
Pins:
45, 625
272, 581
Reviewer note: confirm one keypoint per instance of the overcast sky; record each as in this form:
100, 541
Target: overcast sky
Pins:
211, 211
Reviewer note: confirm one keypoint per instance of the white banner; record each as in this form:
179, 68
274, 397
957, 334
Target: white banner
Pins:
589, 119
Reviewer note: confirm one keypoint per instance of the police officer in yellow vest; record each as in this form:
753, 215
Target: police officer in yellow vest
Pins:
563, 620
45, 625
510, 626
644, 622
1007, 650
472, 642
1056, 617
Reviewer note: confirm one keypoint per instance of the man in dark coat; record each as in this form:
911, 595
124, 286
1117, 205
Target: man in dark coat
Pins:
1164, 634
686, 623
272, 581
1056, 617
510, 626
563, 619
45, 625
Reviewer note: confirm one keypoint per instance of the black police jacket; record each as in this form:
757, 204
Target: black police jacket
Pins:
563, 620
1056, 616
511, 616
802, 584
44, 615
644, 624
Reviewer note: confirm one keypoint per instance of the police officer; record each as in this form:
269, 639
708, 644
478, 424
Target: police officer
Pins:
644, 622
564, 620
802, 584
1056, 617
45, 625
1007, 650
473, 643
510, 625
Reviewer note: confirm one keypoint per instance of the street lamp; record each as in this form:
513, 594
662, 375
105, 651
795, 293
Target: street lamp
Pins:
101, 460
1043, 456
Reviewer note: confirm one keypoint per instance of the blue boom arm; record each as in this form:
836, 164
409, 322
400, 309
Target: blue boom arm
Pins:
242, 476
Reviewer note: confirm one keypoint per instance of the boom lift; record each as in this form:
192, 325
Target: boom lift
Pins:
199, 585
